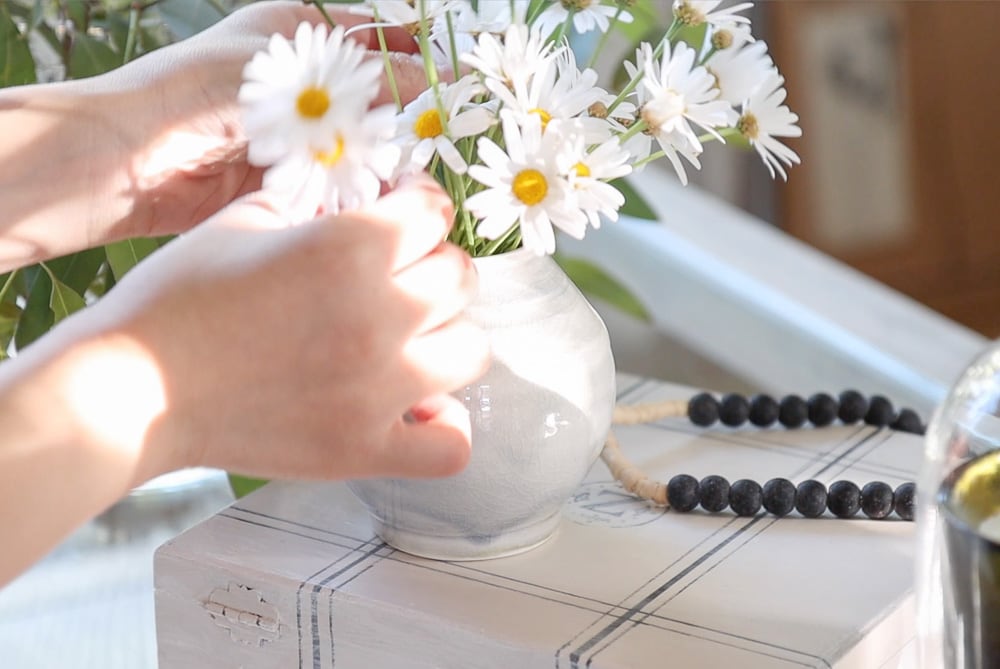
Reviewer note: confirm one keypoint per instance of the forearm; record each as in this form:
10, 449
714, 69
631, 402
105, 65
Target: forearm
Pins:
75, 412
64, 176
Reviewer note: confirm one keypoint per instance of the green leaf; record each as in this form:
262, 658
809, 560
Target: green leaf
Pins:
17, 67
593, 281
10, 314
37, 317
635, 205
124, 255
89, 56
244, 485
63, 300
78, 270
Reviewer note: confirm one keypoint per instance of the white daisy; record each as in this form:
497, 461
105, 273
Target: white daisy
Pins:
422, 133
295, 96
739, 71
728, 35
697, 12
677, 94
765, 117
557, 91
510, 60
405, 14
587, 15
525, 187
588, 172
346, 173
468, 22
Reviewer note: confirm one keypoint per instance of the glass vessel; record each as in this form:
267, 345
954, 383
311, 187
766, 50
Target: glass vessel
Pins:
958, 571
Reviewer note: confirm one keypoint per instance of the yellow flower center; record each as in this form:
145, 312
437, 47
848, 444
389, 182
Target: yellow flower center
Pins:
542, 114
331, 157
530, 186
688, 15
312, 102
428, 124
748, 126
722, 39
581, 170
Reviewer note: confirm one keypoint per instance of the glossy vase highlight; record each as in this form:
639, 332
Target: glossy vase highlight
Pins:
539, 418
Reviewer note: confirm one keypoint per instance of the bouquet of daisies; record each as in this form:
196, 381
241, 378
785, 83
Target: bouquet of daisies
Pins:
522, 137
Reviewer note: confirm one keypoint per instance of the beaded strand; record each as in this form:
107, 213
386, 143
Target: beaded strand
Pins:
779, 496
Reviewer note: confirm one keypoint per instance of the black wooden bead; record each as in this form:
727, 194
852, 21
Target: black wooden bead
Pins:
745, 497
703, 409
779, 496
763, 410
713, 493
908, 421
822, 409
876, 500
733, 410
844, 499
905, 501
880, 411
810, 498
682, 492
793, 411
853, 407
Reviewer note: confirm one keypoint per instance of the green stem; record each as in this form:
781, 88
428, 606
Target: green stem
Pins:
134, 14
497, 243
563, 27
387, 65
648, 159
636, 128
604, 37
657, 53
322, 10
451, 43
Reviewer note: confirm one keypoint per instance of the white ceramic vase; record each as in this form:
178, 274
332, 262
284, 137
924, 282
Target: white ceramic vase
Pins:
539, 416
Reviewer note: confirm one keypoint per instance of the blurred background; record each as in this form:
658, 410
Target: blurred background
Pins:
898, 104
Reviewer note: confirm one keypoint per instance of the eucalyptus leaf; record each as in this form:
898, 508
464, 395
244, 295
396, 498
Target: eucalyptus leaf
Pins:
78, 270
124, 255
244, 485
63, 300
37, 317
635, 205
595, 282
187, 17
90, 56
10, 314
17, 66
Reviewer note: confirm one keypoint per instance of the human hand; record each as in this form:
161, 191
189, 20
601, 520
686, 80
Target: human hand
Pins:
296, 352
184, 141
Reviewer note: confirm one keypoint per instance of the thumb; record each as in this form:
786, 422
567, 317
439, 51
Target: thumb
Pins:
437, 443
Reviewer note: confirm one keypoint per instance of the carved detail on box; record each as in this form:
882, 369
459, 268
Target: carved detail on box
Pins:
242, 611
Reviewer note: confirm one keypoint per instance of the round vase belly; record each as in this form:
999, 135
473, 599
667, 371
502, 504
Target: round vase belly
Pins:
539, 416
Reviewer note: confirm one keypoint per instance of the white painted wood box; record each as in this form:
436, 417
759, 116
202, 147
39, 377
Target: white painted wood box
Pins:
292, 576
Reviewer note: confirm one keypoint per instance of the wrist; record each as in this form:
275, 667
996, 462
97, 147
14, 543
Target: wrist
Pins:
95, 397
63, 169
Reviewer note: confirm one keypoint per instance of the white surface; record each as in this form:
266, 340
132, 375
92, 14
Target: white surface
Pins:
621, 585
89, 605
771, 310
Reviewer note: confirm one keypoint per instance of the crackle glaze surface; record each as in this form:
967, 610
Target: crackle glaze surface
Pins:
539, 417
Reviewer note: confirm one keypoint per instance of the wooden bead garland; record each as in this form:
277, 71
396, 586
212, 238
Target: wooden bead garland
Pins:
811, 499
